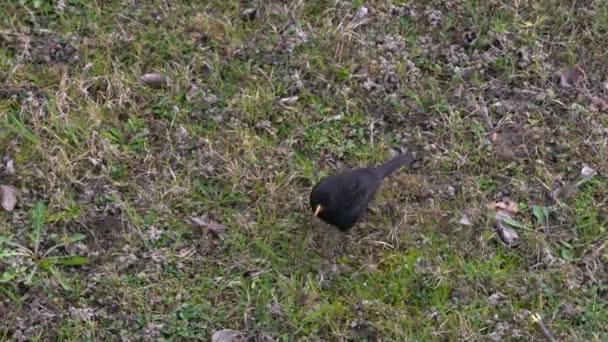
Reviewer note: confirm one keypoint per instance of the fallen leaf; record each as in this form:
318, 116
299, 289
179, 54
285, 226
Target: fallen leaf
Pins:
226, 335
507, 234
289, 100
505, 204
209, 225
504, 210
154, 80
8, 197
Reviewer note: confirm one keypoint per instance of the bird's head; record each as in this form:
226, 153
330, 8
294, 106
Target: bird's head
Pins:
319, 199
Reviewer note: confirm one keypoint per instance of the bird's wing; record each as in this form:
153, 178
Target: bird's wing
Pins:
357, 190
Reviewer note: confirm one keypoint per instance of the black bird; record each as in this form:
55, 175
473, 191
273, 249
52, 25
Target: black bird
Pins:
341, 199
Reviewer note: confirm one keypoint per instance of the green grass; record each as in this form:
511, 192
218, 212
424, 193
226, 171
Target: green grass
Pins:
125, 166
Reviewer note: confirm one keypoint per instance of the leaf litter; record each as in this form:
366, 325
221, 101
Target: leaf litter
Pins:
209, 226
504, 211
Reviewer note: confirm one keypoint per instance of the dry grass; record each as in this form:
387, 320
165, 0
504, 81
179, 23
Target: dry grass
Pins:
499, 99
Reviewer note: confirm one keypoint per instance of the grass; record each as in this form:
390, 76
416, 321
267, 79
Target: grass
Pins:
123, 166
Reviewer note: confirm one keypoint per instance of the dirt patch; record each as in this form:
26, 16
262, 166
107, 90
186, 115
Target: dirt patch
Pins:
105, 231
19, 93
50, 49
40, 48
510, 142
38, 316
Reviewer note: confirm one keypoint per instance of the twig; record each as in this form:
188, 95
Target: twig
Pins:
542, 327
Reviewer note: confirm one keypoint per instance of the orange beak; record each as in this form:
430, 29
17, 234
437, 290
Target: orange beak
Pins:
318, 210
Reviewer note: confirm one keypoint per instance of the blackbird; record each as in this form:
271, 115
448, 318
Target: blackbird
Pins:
341, 199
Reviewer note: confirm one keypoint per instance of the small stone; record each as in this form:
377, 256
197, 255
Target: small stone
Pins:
154, 80
361, 13
8, 197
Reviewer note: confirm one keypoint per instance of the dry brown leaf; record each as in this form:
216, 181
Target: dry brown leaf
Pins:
226, 335
507, 234
209, 225
154, 80
504, 210
505, 205
8, 197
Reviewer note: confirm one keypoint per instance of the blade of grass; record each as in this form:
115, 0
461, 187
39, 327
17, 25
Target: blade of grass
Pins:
38, 215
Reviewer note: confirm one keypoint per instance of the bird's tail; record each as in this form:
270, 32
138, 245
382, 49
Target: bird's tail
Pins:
405, 159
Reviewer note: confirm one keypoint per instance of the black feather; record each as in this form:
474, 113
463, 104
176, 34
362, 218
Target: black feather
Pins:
344, 197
